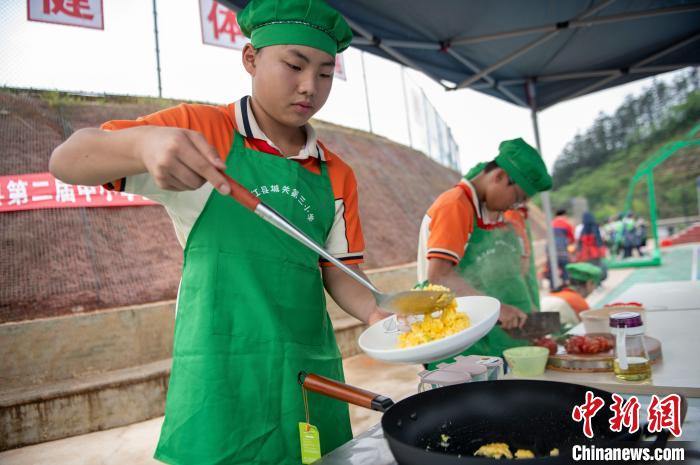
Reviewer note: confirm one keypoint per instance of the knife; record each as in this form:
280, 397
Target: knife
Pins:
538, 324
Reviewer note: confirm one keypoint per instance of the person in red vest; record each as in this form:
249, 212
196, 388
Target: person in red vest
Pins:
590, 246
563, 237
570, 300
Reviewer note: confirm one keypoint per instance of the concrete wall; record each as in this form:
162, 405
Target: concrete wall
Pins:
70, 375
54, 411
61, 348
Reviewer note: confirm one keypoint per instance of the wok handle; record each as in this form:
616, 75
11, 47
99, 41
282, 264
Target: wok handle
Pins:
344, 392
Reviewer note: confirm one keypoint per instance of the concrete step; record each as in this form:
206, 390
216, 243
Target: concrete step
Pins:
134, 444
75, 374
102, 400
92, 403
50, 350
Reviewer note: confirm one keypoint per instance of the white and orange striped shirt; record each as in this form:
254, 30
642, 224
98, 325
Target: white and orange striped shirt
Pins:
217, 123
447, 228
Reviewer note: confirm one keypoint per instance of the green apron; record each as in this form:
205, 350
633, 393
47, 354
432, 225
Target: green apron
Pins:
491, 265
251, 315
531, 278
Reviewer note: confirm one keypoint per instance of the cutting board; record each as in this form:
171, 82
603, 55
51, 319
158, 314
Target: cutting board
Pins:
593, 363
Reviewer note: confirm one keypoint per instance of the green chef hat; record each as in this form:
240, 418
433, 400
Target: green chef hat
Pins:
475, 171
524, 165
583, 272
295, 22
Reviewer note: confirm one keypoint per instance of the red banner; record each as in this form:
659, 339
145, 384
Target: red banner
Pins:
339, 72
41, 190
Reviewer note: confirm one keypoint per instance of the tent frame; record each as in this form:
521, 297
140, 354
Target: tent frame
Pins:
390, 47
551, 30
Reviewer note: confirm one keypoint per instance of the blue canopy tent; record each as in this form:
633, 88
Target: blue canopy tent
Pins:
534, 53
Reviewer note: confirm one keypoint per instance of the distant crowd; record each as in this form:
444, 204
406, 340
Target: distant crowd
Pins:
620, 237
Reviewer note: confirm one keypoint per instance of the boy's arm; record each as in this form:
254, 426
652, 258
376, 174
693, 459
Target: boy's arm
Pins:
442, 272
177, 159
352, 296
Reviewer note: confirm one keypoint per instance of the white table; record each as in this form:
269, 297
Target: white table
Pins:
677, 373
672, 295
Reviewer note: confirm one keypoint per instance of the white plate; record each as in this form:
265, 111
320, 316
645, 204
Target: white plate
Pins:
376, 342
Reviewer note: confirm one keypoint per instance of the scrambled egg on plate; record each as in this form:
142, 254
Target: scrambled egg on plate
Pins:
450, 321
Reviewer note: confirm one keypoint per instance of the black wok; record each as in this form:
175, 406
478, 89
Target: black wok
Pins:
534, 415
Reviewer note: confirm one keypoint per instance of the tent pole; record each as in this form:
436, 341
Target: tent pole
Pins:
155, 32
405, 102
489, 80
469, 81
546, 204
582, 75
364, 80
575, 23
697, 186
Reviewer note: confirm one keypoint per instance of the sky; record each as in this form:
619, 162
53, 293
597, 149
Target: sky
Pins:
480, 122
121, 60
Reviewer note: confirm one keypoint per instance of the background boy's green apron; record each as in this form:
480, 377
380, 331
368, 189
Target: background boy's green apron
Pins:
531, 277
491, 264
251, 315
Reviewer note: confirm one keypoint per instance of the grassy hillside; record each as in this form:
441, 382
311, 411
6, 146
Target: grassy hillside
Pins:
606, 185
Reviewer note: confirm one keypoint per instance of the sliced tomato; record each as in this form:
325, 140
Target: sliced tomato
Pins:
548, 343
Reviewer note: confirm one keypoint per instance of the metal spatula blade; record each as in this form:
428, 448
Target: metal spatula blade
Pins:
416, 301
538, 324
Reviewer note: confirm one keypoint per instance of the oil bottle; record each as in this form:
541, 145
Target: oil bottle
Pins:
631, 358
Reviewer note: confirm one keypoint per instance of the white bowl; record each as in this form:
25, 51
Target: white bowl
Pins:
598, 320
376, 342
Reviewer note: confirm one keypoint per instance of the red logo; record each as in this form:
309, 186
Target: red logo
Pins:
587, 411
626, 414
661, 413
665, 413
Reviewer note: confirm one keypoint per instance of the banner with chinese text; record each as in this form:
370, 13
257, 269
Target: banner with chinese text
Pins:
84, 13
219, 26
339, 68
42, 190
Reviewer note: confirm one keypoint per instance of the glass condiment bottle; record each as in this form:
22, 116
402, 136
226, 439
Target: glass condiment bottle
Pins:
631, 358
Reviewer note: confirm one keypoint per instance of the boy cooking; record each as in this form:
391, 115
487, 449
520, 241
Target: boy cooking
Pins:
251, 309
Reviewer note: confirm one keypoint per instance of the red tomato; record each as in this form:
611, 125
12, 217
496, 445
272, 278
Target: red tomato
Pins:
587, 344
547, 342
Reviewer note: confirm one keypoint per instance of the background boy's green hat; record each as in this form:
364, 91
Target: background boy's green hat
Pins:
295, 22
583, 271
524, 165
474, 171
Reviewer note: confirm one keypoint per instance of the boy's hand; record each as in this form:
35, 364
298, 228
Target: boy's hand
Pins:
511, 317
181, 159
377, 315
